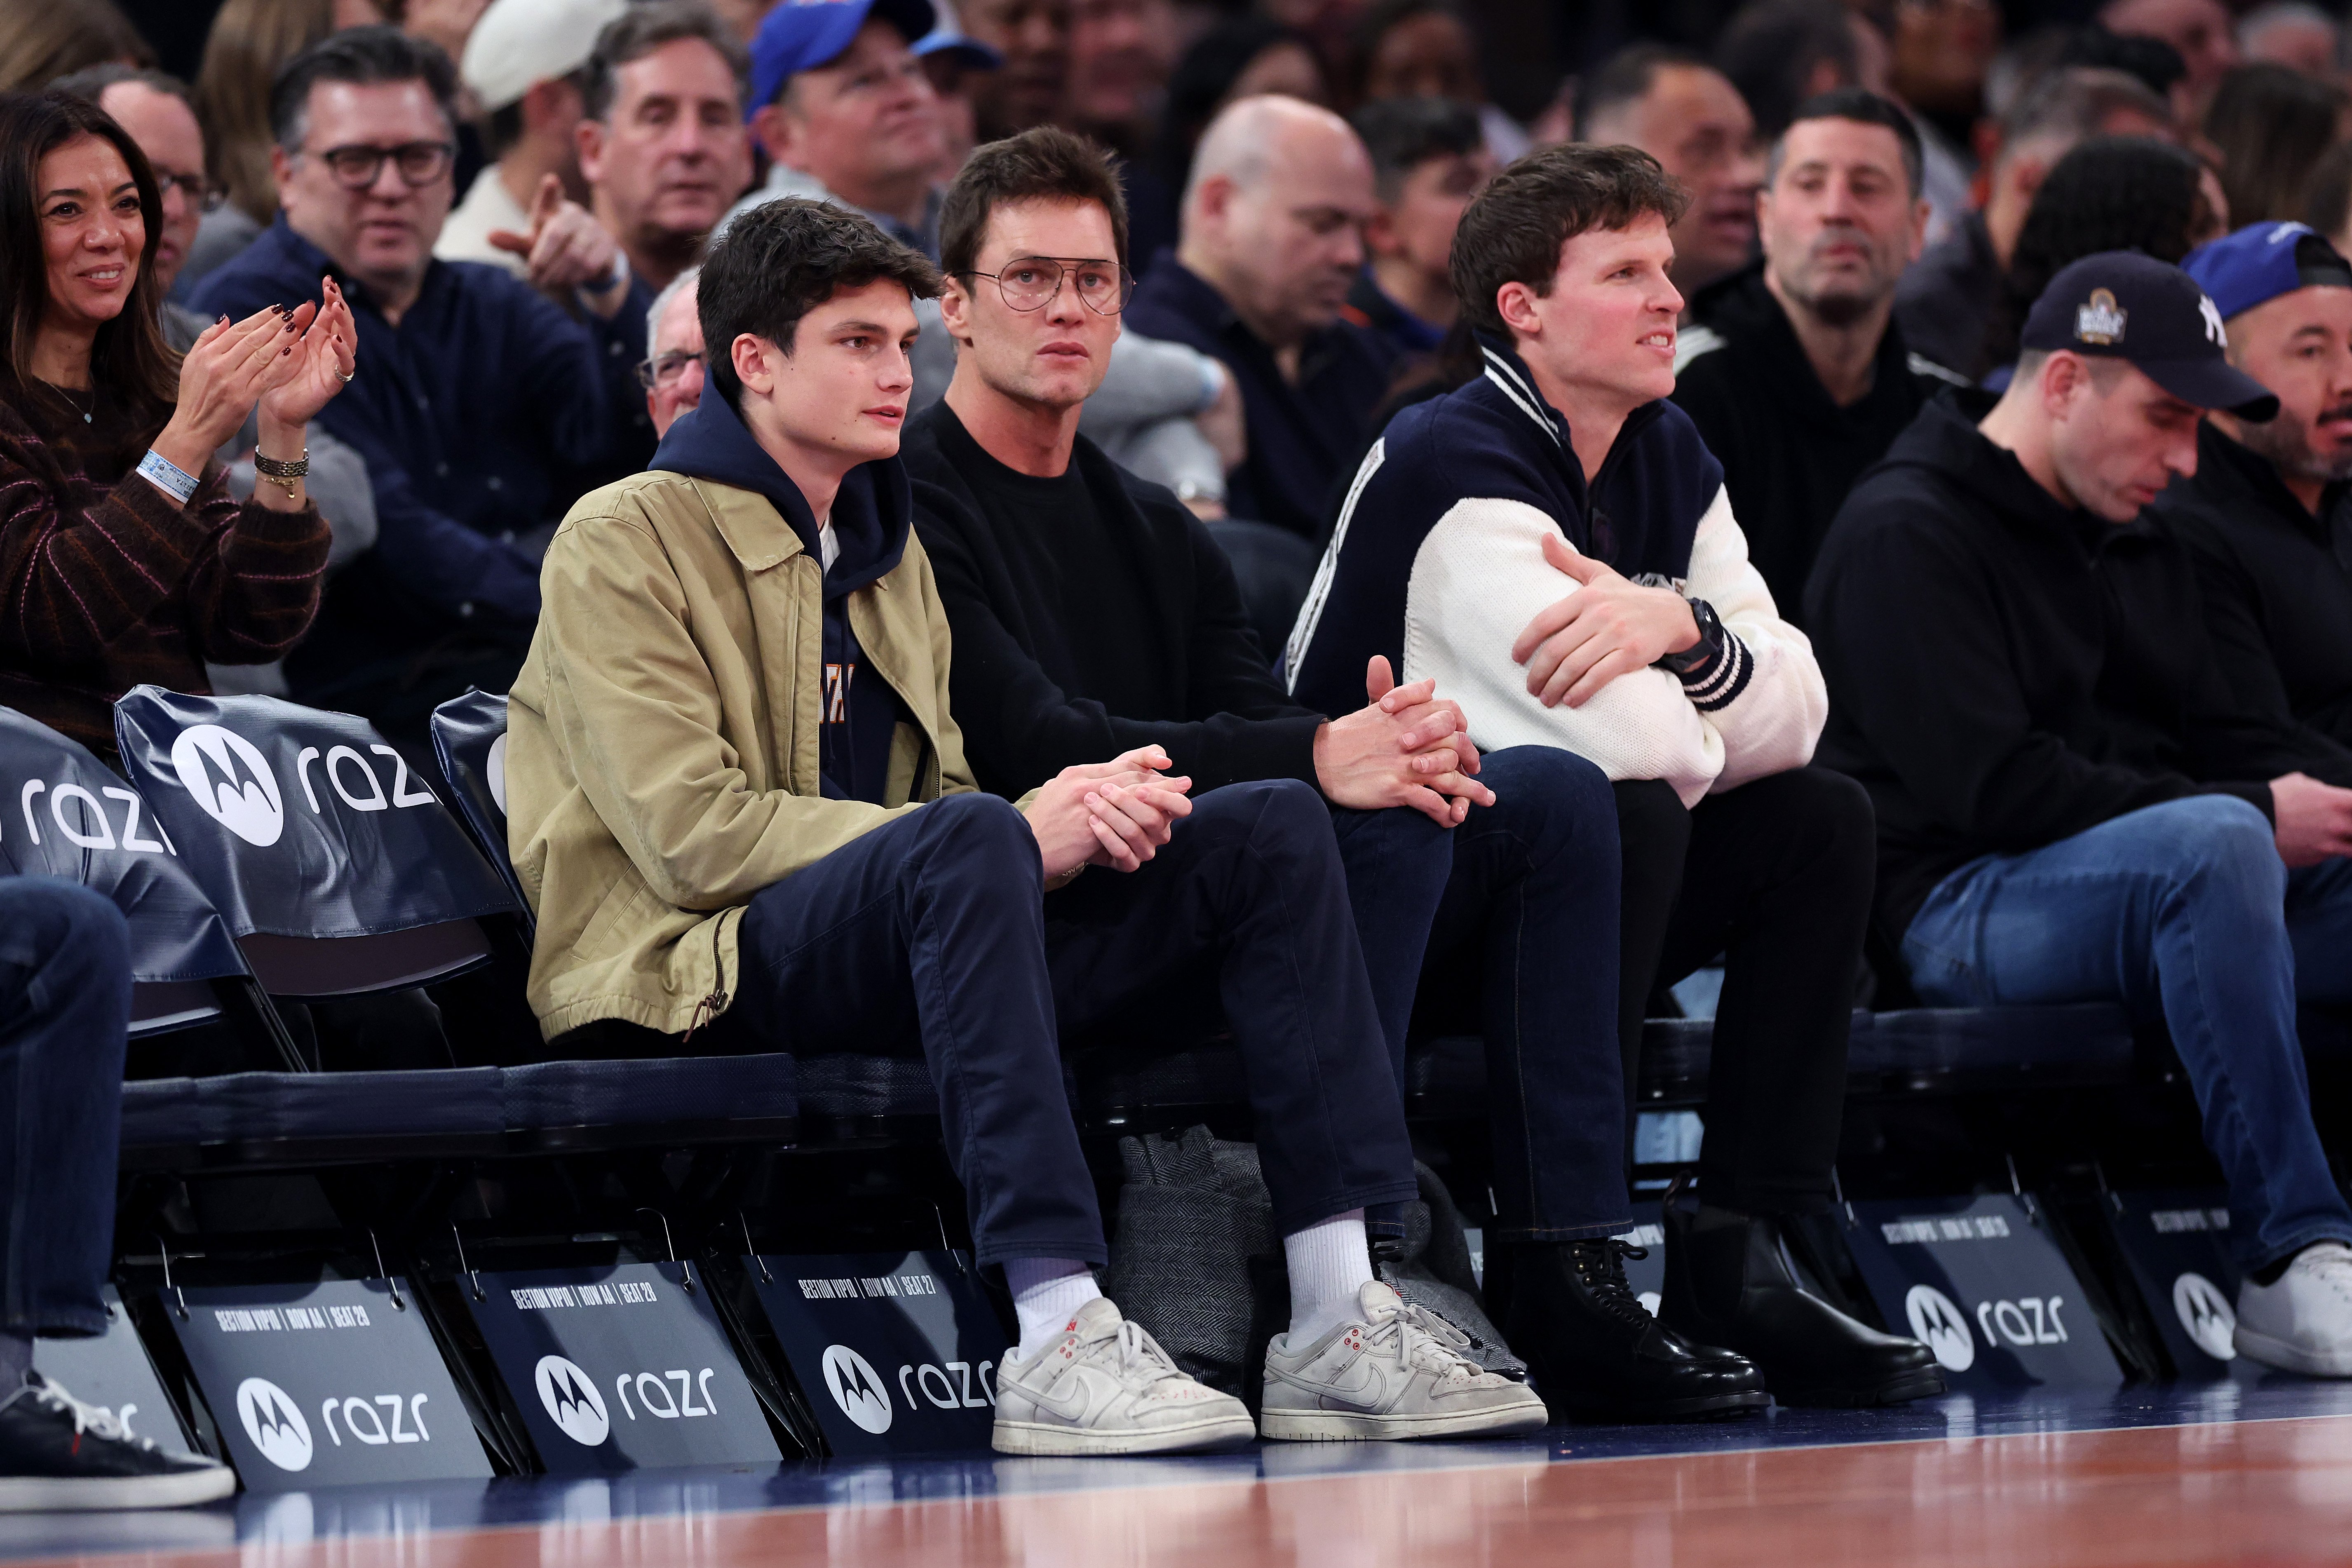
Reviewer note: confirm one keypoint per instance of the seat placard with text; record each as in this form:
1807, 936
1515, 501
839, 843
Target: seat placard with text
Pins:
326, 1385
1983, 1286
114, 1373
2176, 1246
898, 1352
619, 1366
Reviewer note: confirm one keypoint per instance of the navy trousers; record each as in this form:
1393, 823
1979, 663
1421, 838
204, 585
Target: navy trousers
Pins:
64, 1004
1508, 925
934, 934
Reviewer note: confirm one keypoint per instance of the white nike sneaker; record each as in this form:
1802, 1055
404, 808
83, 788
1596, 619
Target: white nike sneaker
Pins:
2302, 1321
1107, 1387
1399, 1372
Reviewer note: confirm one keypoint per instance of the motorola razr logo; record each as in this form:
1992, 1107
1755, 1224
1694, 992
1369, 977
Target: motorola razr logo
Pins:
572, 1401
231, 780
275, 1424
1942, 1327
2207, 1314
851, 1379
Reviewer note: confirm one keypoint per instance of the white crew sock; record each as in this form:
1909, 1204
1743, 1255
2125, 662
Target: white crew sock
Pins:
1330, 1262
1046, 1294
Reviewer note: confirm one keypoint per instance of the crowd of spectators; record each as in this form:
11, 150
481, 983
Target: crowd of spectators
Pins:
1889, 461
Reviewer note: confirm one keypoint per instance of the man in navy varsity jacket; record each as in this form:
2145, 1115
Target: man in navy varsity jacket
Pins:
1553, 544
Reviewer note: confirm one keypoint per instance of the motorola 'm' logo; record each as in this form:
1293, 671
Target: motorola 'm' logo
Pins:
232, 781
851, 1381
275, 1424
1938, 1325
573, 1402
2206, 1313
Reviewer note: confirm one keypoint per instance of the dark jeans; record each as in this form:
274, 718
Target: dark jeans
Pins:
2182, 911
931, 933
1508, 923
1776, 876
65, 1002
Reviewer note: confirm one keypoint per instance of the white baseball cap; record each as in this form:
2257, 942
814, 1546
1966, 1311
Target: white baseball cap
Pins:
519, 44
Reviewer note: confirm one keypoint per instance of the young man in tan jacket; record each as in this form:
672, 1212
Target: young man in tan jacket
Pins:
739, 800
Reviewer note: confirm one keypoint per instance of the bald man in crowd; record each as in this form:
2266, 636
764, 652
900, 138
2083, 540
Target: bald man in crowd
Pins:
1271, 242
1686, 114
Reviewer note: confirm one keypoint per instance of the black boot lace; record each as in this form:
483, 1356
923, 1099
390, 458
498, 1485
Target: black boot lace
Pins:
1600, 1268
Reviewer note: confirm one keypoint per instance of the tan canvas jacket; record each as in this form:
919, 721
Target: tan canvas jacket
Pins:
661, 760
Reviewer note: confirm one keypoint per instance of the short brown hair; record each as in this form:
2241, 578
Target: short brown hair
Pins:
1513, 232
646, 26
1044, 163
782, 259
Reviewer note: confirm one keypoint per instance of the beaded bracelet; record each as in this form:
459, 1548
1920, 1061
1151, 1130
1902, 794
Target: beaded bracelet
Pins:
168, 477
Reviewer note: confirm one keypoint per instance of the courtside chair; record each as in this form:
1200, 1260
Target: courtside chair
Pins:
64, 813
339, 871
469, 741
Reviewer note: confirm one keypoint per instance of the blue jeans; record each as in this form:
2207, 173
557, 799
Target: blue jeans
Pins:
64, 1004
1512, 918
930, 934
2182, 911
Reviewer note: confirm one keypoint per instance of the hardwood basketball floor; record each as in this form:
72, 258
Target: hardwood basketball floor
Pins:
2271, 1491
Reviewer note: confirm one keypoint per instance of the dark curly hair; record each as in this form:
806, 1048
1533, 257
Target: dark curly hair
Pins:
2112, 192
1513, 232
782, 259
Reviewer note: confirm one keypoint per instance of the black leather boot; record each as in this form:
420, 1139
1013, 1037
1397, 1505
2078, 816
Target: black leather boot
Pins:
1729, 1285
1592, 1349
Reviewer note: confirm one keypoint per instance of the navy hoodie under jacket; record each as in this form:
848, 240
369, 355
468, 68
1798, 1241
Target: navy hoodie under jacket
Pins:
872, 516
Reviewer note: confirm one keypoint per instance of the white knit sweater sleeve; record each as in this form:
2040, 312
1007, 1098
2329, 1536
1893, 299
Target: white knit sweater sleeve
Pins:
1768, 703
1477, 579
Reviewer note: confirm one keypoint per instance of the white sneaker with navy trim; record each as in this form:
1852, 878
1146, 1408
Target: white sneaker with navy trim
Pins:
1104, 1386
2302, 1320
1399, 1370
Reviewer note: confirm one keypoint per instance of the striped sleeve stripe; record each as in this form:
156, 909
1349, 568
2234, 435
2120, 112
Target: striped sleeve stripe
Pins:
1721, 683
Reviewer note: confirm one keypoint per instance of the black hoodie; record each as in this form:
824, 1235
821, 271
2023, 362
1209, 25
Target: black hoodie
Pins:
2006, 671
1790, 453
2277, 582
871, 518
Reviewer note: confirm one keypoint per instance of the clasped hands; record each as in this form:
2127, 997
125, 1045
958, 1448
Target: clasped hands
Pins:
1403, 748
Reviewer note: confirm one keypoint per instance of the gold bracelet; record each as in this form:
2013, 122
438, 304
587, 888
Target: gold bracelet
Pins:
285, 476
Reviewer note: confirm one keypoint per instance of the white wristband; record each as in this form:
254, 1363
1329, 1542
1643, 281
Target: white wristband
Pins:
168, 477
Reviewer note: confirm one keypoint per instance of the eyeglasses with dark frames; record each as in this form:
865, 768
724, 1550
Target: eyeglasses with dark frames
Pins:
1031, 282
662, 370
195, 189
357, 166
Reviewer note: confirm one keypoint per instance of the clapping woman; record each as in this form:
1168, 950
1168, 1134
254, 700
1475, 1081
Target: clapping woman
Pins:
124, 556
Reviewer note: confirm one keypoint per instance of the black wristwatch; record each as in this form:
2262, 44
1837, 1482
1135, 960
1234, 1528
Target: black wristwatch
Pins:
1701, 654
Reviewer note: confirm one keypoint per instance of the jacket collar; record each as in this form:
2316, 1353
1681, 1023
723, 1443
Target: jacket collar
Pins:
871, 514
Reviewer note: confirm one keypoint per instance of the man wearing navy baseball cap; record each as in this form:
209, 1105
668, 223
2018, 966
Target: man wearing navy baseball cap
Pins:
2268, 514
843, 104
2071, 805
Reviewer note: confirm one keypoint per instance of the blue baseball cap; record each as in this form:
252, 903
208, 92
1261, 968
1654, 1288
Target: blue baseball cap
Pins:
802, 34
950, 38
2263, 261
2127, 305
